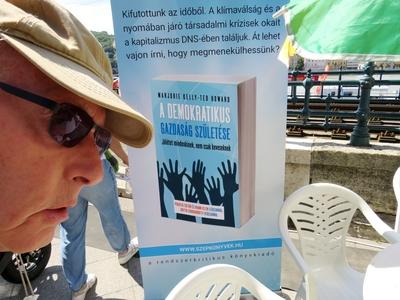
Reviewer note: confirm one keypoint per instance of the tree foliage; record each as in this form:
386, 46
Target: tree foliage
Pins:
108, 43
300, 64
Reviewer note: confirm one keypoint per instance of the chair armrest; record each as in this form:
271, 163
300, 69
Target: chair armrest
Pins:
392, 237
381, 227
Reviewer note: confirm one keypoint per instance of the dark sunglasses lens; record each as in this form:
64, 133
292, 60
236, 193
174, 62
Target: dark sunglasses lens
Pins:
69, 125
102, 138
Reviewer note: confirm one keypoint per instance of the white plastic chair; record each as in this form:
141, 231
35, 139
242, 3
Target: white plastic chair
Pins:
219, 282
396, 188
322, 213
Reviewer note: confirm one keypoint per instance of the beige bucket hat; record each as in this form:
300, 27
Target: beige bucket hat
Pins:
54, 41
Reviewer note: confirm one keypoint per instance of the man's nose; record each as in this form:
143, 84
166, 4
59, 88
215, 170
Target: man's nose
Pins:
88, 168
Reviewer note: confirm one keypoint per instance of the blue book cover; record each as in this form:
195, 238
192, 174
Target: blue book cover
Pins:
205, 146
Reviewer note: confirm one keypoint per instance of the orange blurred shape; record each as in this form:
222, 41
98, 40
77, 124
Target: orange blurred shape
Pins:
322, 77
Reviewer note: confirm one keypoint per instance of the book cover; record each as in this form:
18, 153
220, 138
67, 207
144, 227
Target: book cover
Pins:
205, 146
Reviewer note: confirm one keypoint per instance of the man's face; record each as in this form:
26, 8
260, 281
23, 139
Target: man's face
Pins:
39, 179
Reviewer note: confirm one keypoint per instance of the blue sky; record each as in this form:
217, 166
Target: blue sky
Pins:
94, 14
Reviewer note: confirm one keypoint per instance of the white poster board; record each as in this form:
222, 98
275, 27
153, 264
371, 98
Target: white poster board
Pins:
209, 39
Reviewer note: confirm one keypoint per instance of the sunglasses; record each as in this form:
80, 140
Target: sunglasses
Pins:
69, 124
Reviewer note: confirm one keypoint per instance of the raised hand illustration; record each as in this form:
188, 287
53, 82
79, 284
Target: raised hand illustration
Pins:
230, 185
190, 197
213, 188
161, 181
197, 180
174, 181
229, 178
190, 194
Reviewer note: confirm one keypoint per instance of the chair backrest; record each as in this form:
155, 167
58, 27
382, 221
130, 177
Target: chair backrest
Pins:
321, 213
219, 282
396, 188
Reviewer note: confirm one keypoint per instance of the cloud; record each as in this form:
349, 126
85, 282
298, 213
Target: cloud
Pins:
94, 14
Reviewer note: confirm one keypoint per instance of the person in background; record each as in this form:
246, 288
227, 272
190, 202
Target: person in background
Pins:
104, 196
57, 115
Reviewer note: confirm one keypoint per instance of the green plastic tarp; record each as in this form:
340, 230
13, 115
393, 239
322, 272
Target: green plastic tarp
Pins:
344, 29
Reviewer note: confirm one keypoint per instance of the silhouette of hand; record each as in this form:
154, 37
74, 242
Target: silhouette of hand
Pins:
174, 180
161, 181
214, 191
190, 194
229, 178
198, 171
197, 180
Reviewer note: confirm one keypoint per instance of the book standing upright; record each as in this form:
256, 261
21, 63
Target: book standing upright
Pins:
205, 128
